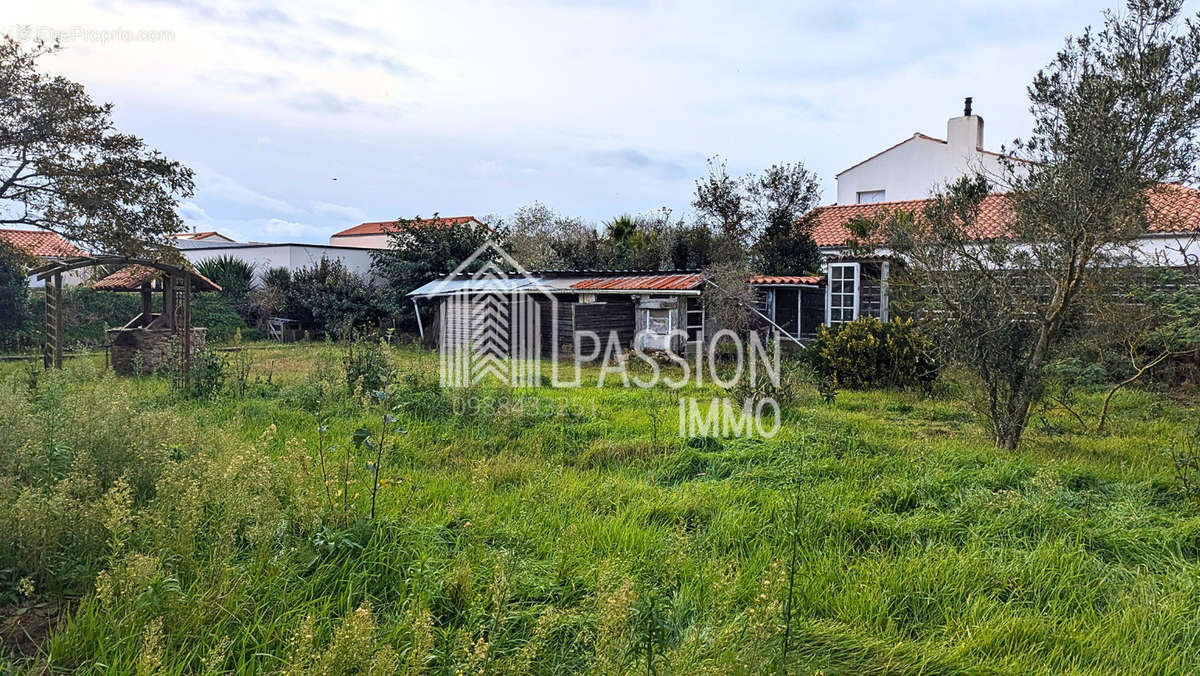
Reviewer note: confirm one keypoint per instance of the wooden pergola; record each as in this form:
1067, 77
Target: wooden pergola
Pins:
136, 275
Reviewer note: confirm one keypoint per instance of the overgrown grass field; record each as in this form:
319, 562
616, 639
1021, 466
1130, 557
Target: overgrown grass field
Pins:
565, 531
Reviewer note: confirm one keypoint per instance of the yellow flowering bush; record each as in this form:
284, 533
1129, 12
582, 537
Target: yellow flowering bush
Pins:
867, 353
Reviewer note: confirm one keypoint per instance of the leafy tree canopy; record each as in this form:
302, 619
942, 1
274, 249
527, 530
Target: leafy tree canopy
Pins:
64, 166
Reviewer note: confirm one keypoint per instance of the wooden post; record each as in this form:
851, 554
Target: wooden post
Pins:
187, 328
147, 304
58, 320
169, 301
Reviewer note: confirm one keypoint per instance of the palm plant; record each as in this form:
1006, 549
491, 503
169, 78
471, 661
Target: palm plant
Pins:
234, 275
236, 279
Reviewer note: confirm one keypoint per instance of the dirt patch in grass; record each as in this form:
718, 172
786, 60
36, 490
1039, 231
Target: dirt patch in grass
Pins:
23, 629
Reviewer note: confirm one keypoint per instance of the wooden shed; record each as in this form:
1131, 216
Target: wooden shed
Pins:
794, 303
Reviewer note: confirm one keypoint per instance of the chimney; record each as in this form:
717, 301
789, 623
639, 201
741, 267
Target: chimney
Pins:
965, 134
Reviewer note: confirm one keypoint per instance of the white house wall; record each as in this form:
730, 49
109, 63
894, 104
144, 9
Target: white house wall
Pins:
913, 169
290, 256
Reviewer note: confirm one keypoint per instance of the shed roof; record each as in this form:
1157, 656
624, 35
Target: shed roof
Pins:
686, 282
450, 287
132, 277
768, 280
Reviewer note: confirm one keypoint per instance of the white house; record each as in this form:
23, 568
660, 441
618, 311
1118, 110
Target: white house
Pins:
913, 167
374, 234
904, 176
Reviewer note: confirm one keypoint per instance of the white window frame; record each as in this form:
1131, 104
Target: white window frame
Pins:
883, 291
670, 320
858, 195
829, 291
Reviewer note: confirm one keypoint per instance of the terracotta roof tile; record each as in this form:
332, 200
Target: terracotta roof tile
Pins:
787, 279
1173, 208
642, 283
383, 227
201, 235
132, 277
41, 243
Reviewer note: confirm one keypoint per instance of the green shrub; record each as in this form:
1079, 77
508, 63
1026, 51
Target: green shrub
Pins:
328, 298
87, 313
368, 368
15, 319
215, 313
206, 375
868, 353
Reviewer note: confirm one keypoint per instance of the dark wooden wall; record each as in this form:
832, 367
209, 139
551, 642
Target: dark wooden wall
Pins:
612, 314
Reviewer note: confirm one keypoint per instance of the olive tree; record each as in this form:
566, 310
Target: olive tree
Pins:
1115, 117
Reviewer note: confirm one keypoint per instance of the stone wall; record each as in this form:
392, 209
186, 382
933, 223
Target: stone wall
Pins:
141, 351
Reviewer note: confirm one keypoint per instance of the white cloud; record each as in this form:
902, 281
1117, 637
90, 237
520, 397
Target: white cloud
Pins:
465, 107
213, 184
282, 228
193, 214
339, 212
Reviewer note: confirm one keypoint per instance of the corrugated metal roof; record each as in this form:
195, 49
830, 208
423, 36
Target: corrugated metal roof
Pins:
642, 283
786, 279
449, 287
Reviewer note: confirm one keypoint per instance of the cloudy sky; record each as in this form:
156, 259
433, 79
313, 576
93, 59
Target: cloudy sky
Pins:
302, 118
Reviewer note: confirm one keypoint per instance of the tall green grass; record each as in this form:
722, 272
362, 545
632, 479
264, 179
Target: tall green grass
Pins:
581, 534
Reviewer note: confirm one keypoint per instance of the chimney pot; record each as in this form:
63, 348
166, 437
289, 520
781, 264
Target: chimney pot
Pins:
967, 107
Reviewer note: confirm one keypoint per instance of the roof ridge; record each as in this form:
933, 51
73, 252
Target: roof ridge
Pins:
916, 134
376, 227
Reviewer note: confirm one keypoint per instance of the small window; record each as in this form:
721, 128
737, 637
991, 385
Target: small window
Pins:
658, 322
841, 294
871, 196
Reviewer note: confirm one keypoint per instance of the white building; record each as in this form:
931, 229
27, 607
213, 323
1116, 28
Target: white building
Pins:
914, 167
265, 256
